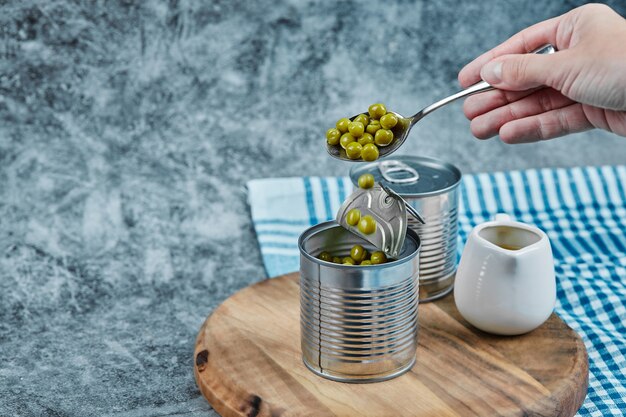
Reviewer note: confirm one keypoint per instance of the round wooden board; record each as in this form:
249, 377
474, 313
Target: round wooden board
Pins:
248, 363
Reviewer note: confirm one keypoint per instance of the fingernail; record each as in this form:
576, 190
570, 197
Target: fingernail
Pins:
492, 72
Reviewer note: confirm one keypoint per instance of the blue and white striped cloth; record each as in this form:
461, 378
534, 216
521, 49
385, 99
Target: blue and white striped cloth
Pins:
583, 211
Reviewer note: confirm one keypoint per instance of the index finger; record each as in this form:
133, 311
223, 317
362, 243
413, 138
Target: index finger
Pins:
522, 42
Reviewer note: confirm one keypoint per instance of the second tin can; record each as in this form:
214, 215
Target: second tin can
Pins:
431, 187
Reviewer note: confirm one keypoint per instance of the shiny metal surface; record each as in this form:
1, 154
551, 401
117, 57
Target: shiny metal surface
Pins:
435, 196
358, 324
390, 168
401, 131
438, 256
409, 209
435, 176
390, 212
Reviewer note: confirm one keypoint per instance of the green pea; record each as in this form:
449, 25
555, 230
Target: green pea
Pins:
373, 127
367, 225
365, 139
358, 253
370, 152
348, 261
377, 110
356, 129
342, 124
366, 180
332, 136
353, 217
346, 139
337, 260
365, 263
383, 137
353, 150
389, 121
363, 118
325, 256
378, 257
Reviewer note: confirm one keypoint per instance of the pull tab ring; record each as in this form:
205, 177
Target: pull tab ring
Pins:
414, 213
389, 167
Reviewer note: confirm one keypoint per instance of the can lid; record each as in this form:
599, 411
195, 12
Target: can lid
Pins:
389, 212
411, 176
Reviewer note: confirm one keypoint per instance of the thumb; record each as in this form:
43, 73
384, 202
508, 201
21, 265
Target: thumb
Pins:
520, 72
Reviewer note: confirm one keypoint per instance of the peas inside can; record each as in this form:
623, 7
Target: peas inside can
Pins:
358, 256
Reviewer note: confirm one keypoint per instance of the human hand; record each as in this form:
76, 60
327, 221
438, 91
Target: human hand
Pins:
580, 87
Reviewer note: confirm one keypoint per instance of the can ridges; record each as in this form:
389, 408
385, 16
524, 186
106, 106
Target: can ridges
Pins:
379, 340
354, 307
344, 355
349, 343
391, 291
359, 315
356, 334
351, 329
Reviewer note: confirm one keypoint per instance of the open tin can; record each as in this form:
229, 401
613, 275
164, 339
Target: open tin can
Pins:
431, 187
358, 323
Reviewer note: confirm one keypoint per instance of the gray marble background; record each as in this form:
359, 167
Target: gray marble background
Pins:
128, 130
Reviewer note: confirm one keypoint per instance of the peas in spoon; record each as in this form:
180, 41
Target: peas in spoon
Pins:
390, 129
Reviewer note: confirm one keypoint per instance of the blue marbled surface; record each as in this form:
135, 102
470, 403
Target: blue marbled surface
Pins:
127, 132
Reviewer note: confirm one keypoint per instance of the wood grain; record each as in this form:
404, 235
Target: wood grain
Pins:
248, 363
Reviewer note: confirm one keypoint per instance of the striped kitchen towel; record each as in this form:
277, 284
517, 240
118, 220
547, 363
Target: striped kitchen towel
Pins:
583, 211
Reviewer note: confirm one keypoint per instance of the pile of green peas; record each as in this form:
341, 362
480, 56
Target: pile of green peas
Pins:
362, 137
358, 256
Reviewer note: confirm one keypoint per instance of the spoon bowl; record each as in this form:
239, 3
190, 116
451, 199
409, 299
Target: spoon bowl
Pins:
400, 133
405, 124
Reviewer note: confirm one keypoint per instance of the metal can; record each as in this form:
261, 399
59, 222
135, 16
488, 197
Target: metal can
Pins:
431, 187
358, 323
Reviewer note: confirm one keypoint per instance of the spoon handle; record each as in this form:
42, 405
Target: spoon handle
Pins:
479, 87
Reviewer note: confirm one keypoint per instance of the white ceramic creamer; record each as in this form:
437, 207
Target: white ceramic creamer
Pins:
505, 281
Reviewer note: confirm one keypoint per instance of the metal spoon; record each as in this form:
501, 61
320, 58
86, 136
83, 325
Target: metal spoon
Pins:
402, 129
